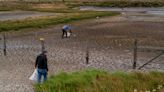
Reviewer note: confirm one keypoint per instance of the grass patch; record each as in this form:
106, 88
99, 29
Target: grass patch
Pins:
100, 81
67, 14
68, 5
35, 6
9, 5
46, 21
122, 3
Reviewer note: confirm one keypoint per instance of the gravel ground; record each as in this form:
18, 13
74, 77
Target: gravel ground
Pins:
109, 40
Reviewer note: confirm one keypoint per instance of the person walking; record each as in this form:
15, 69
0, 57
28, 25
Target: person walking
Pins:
41, 66
65, 30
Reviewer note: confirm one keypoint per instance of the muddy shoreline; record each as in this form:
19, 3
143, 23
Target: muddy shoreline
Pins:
110, 41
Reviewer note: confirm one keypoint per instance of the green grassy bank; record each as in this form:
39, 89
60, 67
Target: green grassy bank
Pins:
41, 22
69, 11
100, 81
121, 3
30, 5
65, 13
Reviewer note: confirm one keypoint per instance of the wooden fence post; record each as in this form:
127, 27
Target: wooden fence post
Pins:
42, 44
87, 56
4, 44
135, 54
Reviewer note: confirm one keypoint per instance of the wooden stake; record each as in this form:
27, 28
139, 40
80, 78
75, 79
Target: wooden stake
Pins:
87, 57
42, 44
135, 54
4, 44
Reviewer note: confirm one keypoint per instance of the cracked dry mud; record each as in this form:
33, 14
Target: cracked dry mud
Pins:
110, 43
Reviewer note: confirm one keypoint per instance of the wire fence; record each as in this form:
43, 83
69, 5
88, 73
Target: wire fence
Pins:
66, 51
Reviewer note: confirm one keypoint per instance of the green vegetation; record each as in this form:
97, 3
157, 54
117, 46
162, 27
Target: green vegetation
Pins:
69, 4
9, 5
64, 12
123, 3
46, 21
68, 10
100, 81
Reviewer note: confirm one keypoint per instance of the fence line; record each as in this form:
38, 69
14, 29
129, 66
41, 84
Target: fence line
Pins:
137, 48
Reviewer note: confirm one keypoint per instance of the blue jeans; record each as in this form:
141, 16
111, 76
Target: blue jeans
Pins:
42, 72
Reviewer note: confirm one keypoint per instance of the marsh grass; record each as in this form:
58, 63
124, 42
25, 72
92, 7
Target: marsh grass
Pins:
8, 6
121, 3
67, 14
100, 81
45, 6
46, 21
69, 4
69, 9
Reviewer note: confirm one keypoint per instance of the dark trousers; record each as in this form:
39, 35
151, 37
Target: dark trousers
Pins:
64, 33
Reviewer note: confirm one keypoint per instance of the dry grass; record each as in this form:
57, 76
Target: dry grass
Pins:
31, 6
51, 5
116, 0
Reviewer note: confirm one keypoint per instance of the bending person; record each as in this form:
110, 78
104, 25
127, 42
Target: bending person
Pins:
65, 30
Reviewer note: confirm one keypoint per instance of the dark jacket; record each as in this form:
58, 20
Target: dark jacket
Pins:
41, 62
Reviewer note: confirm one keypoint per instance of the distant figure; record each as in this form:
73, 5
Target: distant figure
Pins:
41, 65
66, 29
